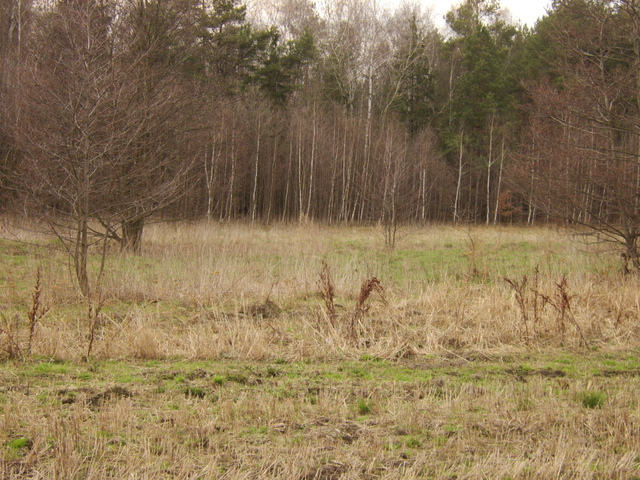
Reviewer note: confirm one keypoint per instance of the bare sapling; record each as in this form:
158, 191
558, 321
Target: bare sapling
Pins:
520, 290
93, 316
563, 306
539, 301
473, 254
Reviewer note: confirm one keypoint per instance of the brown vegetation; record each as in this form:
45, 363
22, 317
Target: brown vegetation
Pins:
236, 351
212, 291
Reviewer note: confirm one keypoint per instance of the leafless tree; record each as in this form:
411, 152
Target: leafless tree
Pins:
583, 163
104, 127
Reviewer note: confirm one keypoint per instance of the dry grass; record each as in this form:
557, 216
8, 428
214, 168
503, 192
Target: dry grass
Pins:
236, 291
425, 418
229, 351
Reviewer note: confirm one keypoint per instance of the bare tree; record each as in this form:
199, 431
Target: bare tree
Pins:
103, 127
583, 164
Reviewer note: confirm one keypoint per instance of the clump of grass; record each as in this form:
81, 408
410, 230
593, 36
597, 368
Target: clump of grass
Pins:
413, 442
16, 448
593, 399
364, 407
10, 330
18, 443
195, 392
145, 344
238, 378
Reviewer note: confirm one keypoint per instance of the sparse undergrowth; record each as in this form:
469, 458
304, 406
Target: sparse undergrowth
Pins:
316, 353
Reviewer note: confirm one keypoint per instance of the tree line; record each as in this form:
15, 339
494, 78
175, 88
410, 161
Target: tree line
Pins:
114, 111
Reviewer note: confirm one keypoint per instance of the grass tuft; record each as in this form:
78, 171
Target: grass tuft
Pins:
364, 406
593, 399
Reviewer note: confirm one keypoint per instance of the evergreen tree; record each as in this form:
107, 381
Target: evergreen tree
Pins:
482, 100
284, 68
411, 83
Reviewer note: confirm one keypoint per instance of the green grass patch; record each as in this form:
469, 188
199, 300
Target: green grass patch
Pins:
363, 406
18, 443
592, 399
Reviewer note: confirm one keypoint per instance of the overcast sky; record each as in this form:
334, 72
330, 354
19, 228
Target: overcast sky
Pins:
526, 11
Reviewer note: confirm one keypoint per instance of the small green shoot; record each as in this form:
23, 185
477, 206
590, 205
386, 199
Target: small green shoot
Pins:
18, 443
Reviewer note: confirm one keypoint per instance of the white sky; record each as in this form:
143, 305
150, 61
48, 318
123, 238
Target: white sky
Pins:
525, 11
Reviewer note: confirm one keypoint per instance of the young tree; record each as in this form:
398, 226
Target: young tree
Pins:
104, 126
410, 82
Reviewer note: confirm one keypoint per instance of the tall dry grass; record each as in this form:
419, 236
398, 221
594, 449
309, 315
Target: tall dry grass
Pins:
251, 292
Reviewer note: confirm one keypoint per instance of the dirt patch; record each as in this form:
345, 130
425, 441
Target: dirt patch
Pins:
331, 471
268, 309
520, 373
551, 373
113, 392
620, 373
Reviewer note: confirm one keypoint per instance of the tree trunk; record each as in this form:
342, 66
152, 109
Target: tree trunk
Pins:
210, 175
285, 207
456, 214
254, 193
489, 165
499, 188
81, 255
332, 188
232, 176
272, 179
312, 162
300, 185
346, 177
132, 235
630, 255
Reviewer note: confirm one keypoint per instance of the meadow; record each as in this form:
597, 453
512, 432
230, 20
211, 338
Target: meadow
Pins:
232, 351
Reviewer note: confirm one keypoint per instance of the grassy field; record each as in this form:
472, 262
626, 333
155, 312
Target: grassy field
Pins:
312, 352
